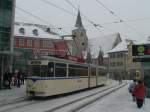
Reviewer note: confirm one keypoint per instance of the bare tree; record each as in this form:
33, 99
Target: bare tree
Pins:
100, 57
89, 57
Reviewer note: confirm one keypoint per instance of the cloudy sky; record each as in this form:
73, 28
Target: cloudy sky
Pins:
105, 13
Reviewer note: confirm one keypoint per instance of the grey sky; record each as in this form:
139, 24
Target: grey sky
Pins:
126, 9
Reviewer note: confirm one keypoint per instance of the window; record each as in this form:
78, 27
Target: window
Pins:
112, 55
37, 70
102, 72
37, 43
44, 71
45, 43
35, 32
60, 70
78, 70
93, 72
21, 42
51, 69
29, 43
48, 29
22, 31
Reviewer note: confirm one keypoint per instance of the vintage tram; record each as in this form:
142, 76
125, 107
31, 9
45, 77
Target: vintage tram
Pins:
53, 76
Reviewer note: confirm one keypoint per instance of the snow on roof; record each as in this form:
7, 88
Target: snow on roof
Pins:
106, 43
42, 31
122, 46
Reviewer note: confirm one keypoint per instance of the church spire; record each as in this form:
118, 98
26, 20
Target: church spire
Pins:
78, 21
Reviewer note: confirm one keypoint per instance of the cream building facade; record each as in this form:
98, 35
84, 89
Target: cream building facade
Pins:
121, 63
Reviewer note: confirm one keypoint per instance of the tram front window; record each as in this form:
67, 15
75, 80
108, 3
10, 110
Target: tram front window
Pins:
39, 71
44, 71
35, 70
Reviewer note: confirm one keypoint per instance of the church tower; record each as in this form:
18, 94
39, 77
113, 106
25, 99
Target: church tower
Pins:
80, 37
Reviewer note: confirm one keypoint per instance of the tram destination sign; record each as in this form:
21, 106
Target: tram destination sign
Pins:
141, 50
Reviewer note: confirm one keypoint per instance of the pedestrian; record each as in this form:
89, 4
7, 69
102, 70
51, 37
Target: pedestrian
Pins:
140, 93
120, 79
18, 78
22, 78
7, 80
131, 88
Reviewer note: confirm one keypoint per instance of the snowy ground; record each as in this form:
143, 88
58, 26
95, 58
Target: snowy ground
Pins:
119, 101
9, 95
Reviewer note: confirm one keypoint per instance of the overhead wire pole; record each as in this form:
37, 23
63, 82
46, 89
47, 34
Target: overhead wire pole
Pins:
110, 11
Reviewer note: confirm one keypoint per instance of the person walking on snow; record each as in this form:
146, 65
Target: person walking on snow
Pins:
131, 88
140, 93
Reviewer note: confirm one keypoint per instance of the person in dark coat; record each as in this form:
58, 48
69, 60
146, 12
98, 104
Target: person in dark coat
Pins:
140, 93
7, 80
19, 78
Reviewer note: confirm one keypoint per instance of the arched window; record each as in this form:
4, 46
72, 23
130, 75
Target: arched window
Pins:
22, 31
35, 32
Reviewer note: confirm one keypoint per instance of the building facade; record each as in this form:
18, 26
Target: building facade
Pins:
121, 63
132, 67
6, 35
33, 41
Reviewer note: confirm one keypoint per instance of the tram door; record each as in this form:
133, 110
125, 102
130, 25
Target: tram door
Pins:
51, 69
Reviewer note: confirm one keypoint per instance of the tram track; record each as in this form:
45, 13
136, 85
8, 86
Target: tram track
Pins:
24, 102
17, 100
78, 102
17, 105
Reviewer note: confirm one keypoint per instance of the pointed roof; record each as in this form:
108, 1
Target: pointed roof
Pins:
103, 42
78, 21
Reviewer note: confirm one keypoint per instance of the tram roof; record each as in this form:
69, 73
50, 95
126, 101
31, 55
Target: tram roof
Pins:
67, 61
58, 59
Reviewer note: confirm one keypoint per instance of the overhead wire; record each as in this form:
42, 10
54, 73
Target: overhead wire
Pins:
58, 7
121, 20
42, 20
85, 17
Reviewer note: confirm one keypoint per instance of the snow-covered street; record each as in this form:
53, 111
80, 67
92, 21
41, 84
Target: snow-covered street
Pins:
118, 101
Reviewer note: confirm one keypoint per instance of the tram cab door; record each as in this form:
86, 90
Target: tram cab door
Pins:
51, 69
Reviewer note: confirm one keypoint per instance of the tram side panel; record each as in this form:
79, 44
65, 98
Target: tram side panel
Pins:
65, 79
93, 78
55, 86
101, 76
64, 85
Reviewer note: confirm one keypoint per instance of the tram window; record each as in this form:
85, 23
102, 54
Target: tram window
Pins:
50, 69
93, 72
101, 72
44, 71
60, 70
35, 70
77, 70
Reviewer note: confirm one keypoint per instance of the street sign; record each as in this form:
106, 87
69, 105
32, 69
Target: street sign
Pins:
141, 50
